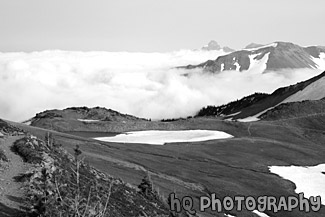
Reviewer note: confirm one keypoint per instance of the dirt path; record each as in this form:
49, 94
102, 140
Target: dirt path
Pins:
11, 195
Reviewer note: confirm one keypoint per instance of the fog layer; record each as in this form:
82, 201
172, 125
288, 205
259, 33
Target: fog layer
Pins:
142, 84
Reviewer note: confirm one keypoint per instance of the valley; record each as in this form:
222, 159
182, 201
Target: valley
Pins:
238, 165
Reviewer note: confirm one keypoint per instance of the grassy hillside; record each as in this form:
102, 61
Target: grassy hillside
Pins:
61, 184
225, 167
256, 103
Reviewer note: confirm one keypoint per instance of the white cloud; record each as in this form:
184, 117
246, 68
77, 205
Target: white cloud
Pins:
142, 84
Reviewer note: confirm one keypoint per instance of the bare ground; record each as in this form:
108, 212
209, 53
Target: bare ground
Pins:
12, 198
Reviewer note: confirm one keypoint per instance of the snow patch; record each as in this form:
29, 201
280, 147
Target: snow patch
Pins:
258, 66
28, 123
319, 61
261, 214
308, 180
237, 66
255, 117
88, 120
233, 114
265, 46
222, 67
160, 137
252, 60
249, 119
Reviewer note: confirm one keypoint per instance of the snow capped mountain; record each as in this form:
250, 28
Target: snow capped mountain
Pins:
261, 58
213, 45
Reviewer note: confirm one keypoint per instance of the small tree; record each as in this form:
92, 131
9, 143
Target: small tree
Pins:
146, 186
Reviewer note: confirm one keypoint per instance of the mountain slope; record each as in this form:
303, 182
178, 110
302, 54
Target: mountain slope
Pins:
256, 104
275, 56
49, 181
292, 110
253, 45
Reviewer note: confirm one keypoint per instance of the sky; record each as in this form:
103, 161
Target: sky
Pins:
156, 25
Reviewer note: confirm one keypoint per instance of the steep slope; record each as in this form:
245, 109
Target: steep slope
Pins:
232, 108
292, 110
257, 104
274, 56
314, 91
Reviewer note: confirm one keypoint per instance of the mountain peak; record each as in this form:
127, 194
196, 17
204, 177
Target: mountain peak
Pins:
270, 57
213, 45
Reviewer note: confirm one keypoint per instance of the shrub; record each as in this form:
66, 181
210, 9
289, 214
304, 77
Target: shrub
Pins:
146, 186
3, 156
64, 185
66, 188
30, 150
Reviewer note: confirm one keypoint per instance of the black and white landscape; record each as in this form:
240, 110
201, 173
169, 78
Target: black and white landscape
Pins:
109, 110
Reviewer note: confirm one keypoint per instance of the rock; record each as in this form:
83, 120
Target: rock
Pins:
35, 143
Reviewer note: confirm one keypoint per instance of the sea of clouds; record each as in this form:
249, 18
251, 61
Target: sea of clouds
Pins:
142, 84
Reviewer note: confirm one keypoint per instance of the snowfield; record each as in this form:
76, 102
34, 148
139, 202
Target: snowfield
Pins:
320, 61
159, 137
27, 123
261, 214
249, 119
264, 46
258, 66
88, 120
308, 180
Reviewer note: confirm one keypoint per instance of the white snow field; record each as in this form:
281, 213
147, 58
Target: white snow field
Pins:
160, 137
261, 214
263, 46
308, 180
88, 120
249, 119
258, 66
320, 61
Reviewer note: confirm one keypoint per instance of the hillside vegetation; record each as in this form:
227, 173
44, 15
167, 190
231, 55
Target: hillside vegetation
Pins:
61, 184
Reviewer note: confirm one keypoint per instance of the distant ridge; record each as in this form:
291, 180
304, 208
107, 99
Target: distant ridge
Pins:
253, 45
257, 104
274, 56
213, 45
